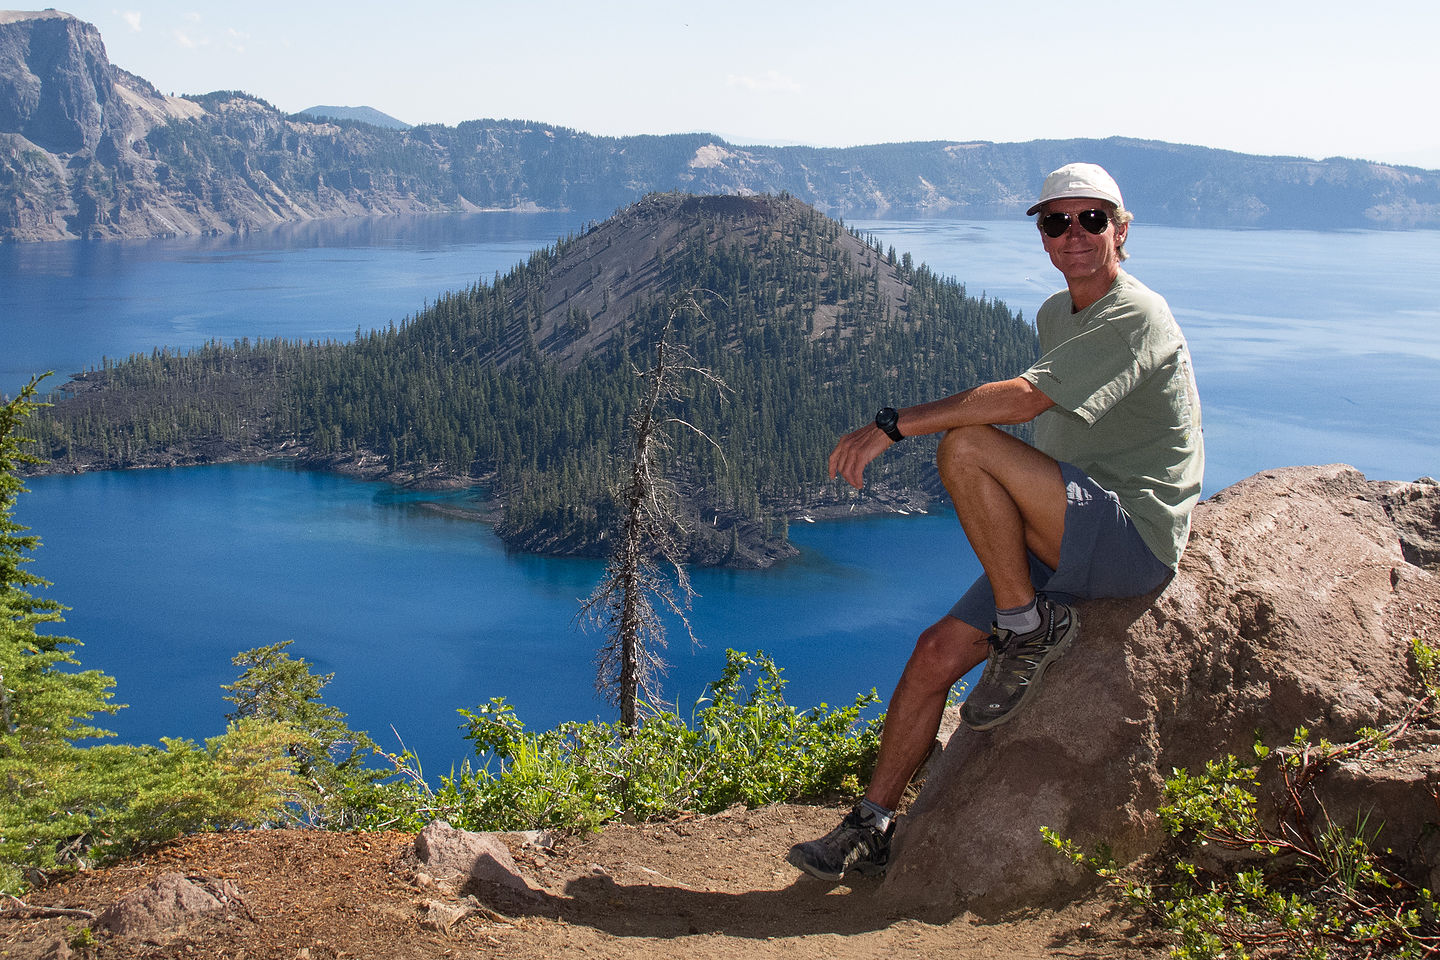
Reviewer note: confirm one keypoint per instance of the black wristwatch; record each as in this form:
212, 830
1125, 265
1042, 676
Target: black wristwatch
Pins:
889, 423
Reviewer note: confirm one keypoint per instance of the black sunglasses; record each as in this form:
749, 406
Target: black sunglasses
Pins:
1054, 225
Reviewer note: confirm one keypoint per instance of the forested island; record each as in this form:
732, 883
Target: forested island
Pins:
523, 386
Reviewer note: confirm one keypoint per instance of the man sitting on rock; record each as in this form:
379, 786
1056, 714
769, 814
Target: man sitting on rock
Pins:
1099, 507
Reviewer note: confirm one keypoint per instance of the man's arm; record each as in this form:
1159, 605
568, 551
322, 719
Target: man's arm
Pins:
1006, 401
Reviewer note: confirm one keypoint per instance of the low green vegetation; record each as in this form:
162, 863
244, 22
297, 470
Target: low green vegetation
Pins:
67, 799
1236, 882
743, 744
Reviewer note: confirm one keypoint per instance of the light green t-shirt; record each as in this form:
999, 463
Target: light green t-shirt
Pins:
1126, 408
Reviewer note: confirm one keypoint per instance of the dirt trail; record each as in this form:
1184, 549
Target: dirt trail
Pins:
707, 887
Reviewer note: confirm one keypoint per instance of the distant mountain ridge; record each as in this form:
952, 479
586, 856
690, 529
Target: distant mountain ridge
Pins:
88, 150
370, 115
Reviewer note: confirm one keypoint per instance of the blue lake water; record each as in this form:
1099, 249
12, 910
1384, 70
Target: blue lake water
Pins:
418, 614
1309, 347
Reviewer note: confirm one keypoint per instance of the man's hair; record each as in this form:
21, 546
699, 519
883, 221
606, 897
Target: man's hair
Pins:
1121, 216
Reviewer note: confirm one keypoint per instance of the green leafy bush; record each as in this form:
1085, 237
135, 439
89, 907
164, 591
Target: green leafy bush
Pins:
1427, 666
744, 744
1294, 884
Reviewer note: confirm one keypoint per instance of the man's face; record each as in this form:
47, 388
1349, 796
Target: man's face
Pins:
1078, 253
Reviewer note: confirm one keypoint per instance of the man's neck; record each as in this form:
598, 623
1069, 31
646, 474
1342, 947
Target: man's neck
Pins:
1086, 290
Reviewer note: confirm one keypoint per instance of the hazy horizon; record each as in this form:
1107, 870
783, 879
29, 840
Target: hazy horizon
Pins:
1276, 80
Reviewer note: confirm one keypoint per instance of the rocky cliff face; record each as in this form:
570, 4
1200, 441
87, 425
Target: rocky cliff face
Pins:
88, 150
59, 81
68, 123
1294, 606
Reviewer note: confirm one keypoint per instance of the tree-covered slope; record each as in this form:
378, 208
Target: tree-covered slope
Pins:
526, 382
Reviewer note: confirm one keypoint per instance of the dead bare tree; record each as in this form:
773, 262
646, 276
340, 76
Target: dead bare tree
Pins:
624, 602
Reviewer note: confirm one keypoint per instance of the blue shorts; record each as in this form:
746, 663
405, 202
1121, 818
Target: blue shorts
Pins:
1101, 555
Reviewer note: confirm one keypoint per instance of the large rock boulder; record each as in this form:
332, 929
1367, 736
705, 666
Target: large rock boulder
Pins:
478, 860
165, 905
1293, 606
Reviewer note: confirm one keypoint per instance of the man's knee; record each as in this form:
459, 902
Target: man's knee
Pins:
962, 444
985, 449
961, 450
944, 653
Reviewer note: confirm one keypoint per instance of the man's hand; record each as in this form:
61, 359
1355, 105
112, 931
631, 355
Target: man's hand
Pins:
1016, 400
855, 451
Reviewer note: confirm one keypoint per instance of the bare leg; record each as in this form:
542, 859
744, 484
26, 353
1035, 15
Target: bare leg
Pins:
944, 653
1010, 498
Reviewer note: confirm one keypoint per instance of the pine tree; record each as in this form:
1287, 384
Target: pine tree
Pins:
41, 706
623, 602
44, 707
61, 802
326, 756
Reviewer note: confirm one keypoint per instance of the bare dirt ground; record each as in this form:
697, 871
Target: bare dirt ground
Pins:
707, 887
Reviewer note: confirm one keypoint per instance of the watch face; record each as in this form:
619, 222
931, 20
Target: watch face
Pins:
887, 420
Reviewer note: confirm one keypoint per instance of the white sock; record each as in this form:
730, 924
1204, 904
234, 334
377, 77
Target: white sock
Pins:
1020, 619
882, 815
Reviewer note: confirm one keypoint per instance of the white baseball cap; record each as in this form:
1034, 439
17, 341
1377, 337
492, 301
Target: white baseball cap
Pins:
1079, 180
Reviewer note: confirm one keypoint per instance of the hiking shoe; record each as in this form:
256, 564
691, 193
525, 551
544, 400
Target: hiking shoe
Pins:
1017, 663
854, 845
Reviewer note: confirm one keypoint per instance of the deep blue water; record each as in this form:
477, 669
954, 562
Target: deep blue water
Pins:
172, 572
1309, 347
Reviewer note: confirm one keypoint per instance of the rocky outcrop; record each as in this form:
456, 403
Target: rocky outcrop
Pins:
89, 150
1293, 606
165, 905
69, 120
472, 859
59, 81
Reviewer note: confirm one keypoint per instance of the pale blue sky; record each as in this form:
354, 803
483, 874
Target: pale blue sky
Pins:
1315, 78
